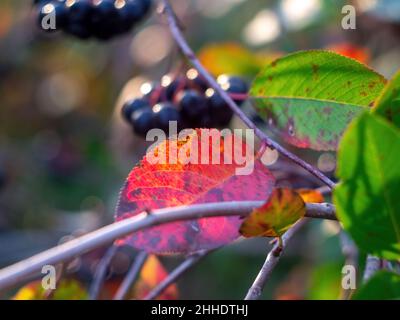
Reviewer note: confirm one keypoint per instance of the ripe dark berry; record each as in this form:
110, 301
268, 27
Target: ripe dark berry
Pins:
79, 18
104, 19
143, 120
164, 113
173, 86
133, 105
233, 85
195, 80
221, 112
152, 91
192, 104
3, 178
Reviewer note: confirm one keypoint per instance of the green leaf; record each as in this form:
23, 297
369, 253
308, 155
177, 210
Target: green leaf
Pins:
367, 198
383, 285
310, 97
325, 282
388, 104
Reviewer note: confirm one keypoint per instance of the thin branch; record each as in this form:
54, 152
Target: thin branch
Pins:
321, 211
372, 265
188, 52
18, 272
271, 261
101, 272
176, 274
132, 275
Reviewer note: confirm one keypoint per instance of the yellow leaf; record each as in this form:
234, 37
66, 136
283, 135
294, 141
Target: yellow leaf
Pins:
276, 216
311, 196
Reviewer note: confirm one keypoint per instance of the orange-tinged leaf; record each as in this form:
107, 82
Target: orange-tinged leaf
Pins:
152, 274
311, 195
276, 216
351, 51
152, 186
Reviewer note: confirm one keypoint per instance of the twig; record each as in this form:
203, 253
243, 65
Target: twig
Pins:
176, 274
188, 52
350, 252
271, 261
372, 265
101, 272
18, 272
132, 275
321, 211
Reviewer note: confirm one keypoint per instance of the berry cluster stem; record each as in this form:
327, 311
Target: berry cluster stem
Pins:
190, 55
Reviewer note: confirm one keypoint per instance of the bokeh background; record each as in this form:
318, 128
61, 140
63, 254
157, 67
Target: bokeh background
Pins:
65, 151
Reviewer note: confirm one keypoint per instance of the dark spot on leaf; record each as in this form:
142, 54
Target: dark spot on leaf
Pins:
372, 84
315, 69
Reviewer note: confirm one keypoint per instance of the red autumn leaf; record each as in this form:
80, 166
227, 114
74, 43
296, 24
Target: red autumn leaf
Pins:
284, 208
153, 186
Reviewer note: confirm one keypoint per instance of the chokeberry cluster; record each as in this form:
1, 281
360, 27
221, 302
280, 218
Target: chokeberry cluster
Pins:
185, 99
101, 19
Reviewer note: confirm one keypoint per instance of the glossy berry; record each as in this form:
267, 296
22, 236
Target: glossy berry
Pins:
79, 18
220, 111
164, 113
152, 91
173, 86
104, 19
195, 80
3, 178
133, 105
235, 85
192, 104
143, 120
101, 19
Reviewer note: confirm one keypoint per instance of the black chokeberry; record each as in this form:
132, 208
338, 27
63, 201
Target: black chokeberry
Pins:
133, 105
101, 19
79, 18
196, 80
3, 178
219, 109
143, 120
192, 104
104, 19
164, 113
153, 91
234, 85
172, 86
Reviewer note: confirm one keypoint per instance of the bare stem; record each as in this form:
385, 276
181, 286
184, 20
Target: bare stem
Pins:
190, 55
176, 274
372, 265
18, 272
132, 275
271, 261
101, 272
